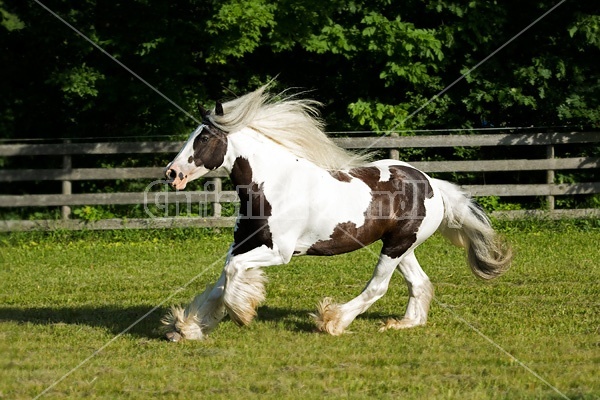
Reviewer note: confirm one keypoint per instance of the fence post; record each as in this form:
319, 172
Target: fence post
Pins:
550, 176
394, 153
66, 184
217, 207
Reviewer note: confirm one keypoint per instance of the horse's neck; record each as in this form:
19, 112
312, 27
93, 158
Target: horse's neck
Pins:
253, 158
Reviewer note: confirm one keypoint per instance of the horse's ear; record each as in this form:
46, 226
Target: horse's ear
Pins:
203, 111
219, 109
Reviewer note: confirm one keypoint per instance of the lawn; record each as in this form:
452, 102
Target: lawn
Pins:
69, 303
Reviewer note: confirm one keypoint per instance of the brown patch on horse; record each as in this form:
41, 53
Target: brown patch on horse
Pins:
369, 175
394, 215
346, 237
409, 208
340, 176
252, 229
210, 147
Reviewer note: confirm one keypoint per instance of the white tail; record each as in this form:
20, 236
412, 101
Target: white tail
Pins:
466, 225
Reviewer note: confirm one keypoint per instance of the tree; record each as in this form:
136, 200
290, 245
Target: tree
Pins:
372, 63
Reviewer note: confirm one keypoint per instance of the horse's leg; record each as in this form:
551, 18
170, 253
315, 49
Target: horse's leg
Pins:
335, 318
238, 292
200, 317
420, 292
244, 282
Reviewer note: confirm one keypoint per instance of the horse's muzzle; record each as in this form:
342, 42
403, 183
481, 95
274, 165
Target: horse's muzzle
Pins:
177, 180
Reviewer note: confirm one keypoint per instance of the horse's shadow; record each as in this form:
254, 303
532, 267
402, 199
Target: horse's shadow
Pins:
300, 320
114, 318
144, 321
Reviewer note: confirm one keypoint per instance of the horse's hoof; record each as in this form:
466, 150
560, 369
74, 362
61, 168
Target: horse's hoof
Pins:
404, 323
173, 336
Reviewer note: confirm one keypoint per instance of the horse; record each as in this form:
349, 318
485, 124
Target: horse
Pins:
301, 194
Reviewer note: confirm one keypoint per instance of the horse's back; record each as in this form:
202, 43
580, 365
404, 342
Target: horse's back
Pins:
387, 199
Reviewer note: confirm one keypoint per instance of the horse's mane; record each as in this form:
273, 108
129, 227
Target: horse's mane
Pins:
289, 121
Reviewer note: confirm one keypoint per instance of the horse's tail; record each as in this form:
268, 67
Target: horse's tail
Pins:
466, 225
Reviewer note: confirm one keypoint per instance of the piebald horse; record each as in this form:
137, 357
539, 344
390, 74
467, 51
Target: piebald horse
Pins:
301, 194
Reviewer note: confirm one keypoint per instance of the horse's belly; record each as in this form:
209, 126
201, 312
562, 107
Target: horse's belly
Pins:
342, 229
368, 204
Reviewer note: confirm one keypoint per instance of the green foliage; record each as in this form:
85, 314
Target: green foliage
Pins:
378, 116
373, 63
589, 27
540, 225
78, 81
89, 213
10, 21
577, 107
494, 203
378, 65
237, 28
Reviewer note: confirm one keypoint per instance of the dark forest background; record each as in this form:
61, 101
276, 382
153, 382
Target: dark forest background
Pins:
374, 64
371, 62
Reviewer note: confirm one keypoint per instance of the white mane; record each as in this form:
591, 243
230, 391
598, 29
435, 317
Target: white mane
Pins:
293, 123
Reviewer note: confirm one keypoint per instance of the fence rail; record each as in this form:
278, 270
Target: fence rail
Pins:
68, 174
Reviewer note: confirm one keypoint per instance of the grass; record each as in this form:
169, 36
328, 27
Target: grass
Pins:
66, 295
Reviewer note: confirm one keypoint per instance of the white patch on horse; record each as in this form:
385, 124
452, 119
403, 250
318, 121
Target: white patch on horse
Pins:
384, 173
324, 213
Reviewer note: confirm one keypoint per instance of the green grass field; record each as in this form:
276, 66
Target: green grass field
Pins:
67, 298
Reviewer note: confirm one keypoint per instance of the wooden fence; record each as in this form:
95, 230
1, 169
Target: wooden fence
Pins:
504, 142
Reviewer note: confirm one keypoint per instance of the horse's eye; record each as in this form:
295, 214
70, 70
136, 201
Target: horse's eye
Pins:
204, 138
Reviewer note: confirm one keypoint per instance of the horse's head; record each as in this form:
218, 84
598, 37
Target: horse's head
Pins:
203, 152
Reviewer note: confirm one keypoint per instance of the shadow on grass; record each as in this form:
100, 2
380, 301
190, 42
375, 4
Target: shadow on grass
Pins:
117, 319
295, 320
114, 318
300, 320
